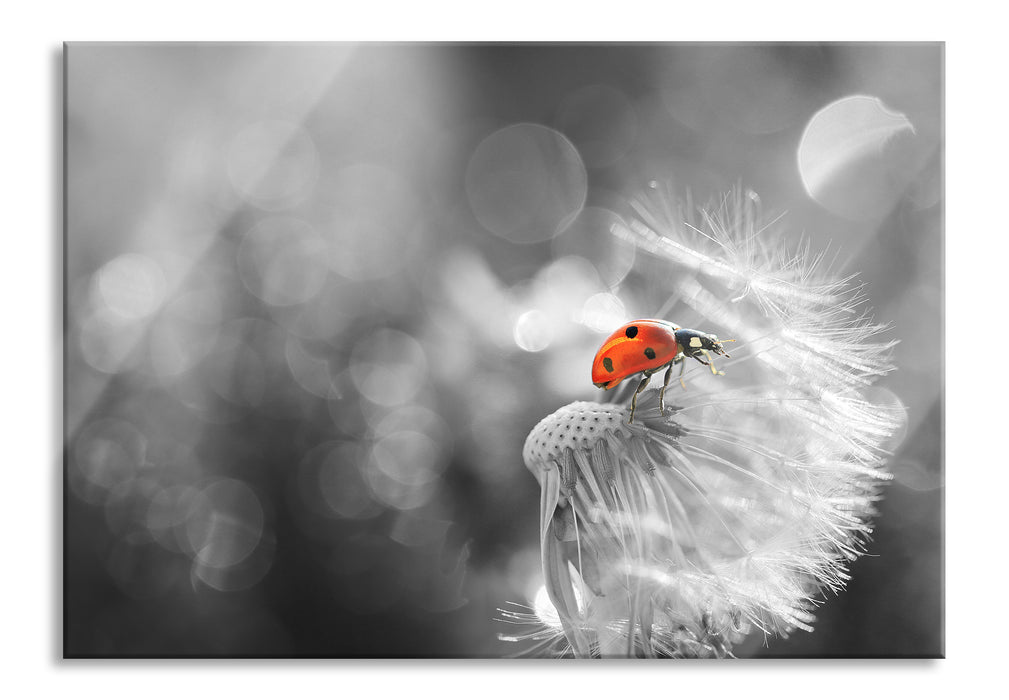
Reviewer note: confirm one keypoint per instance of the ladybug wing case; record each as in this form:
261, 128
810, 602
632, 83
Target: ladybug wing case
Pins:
636, 347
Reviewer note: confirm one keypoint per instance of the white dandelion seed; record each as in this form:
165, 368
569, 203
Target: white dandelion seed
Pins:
678, 535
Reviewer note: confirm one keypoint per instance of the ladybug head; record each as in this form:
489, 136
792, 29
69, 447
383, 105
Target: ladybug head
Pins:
691, 342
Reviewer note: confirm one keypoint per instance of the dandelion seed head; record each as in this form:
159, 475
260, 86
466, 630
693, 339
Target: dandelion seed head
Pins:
681, 533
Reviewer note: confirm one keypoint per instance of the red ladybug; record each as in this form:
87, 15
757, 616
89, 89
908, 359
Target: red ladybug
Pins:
646, 346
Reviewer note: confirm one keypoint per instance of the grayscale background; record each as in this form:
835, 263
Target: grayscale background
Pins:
317, 295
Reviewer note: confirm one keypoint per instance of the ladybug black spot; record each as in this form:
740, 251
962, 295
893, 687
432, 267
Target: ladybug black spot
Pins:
631, 331
649, 353
608, 364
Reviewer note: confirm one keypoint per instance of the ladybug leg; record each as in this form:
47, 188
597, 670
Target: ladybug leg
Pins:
710, 363
641, 387
665, 383
683, 366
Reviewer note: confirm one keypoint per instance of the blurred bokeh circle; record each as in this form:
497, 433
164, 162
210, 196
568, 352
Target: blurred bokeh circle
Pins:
533, 331
855, 157
603, 312
225, 523
526, 183
130, 286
